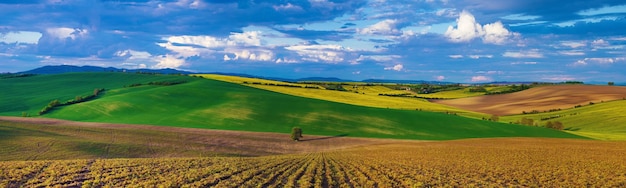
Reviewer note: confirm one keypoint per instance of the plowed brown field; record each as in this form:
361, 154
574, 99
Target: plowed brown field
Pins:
540, 98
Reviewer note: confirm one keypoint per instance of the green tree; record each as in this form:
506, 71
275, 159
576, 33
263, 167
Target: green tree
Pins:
611, 83
296, 133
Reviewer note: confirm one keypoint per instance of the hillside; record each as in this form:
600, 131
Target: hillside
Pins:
539, 99
361, 96
210, 104
31, 94
604, 121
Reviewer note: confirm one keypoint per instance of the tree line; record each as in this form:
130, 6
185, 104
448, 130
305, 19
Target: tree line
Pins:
78, 99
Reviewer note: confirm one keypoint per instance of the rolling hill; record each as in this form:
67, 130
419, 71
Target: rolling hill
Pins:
211, 104
601, 121
539, 99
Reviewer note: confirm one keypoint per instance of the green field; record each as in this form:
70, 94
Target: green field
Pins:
604, 121
31, 94
211, 104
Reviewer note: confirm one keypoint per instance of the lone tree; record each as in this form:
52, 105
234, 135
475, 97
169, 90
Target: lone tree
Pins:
296, 133
611, 83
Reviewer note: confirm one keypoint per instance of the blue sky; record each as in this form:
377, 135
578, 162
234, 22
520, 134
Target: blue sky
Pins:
446, 40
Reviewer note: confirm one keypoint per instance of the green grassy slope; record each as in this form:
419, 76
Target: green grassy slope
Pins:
31, 94
202, 103
220, 105
602, 120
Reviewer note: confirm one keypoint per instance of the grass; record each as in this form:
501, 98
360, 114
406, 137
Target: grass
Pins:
211, 104
31, 94
601, 121
367, 96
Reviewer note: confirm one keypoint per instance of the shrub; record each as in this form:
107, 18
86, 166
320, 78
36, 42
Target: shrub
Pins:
296, 133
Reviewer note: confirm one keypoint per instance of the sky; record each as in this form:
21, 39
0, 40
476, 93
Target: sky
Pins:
467, 41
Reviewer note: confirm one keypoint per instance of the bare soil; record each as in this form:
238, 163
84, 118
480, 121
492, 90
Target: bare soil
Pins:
540, 98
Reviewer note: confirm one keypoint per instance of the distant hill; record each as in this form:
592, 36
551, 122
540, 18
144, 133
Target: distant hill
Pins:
405, 81
59, 69
323, 79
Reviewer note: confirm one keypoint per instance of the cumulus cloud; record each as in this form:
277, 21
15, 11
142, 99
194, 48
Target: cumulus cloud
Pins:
169, 61
481, 79
468, 29
398, 67
534, 53
329, 53
253, 55
440, 78
385, 27
249, 38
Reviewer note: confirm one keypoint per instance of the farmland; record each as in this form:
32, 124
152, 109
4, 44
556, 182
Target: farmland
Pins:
539, 99
604, 120
183, 131
478, 162
361, 96
211, 104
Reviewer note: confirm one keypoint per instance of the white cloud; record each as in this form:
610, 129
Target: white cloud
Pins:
133, 55
534, 53
440, 78
574, 44
385, 27
329, 53
169, 61
379, 58
456, 56
481, 56
397, 67
481, 79
286, 60
63, 33
495, 33
468, 29
246, 54
356, 72
287, 7
596, 60
248, 38
600, 42
572, 53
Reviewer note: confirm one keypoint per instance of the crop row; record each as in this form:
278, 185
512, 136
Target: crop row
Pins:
456, 164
